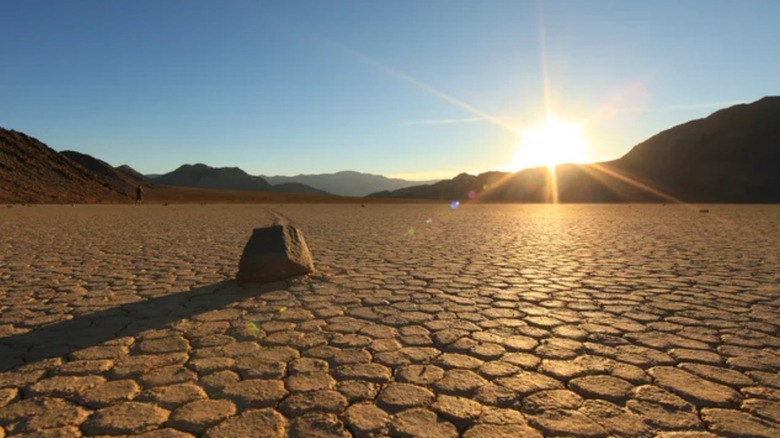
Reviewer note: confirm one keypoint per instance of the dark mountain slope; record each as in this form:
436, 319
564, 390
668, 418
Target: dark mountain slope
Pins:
731, 156
30, 171
112, 177
133, 175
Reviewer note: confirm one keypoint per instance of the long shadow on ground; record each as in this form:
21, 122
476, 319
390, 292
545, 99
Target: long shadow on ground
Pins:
91, 329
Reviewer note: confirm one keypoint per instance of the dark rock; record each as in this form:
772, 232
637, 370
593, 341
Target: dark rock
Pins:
274, 253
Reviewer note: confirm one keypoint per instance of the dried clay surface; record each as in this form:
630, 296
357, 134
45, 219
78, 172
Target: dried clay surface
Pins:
421, 320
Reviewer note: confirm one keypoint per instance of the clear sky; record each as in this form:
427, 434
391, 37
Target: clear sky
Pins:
405, 88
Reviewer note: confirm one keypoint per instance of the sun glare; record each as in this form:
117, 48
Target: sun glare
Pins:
550, 144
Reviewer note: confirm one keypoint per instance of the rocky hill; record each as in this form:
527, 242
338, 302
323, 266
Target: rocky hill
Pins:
731, 156
122, 179
133, 175
32, 172
348, 183
227, 178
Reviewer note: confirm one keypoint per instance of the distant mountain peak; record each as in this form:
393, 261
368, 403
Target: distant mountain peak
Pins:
134, 175
463, 175
347, 182
196, 166
227, 178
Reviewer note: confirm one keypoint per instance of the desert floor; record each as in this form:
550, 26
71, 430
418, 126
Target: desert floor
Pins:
489, 320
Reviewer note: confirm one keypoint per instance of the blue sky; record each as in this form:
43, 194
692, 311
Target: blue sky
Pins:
399, 88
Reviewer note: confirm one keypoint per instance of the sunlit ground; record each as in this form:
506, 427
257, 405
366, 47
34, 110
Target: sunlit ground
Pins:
492, 307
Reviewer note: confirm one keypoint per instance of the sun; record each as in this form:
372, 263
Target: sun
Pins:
552, 143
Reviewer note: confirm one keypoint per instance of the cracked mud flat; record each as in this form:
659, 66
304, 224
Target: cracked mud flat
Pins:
422, 321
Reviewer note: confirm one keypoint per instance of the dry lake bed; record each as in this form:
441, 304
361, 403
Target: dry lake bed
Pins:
422, 320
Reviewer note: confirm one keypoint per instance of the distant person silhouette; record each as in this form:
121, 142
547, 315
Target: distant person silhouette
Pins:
139, 195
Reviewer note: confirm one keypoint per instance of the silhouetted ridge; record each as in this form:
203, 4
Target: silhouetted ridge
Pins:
134, 175
347, 182
731, 156
111, 177
227, 178
30, 171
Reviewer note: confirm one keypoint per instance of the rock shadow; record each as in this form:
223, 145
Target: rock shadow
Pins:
87, 330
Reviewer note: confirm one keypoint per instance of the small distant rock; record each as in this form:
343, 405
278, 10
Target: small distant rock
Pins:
274, 253
704, 210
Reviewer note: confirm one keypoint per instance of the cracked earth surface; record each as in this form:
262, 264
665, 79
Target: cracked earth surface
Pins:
485, 321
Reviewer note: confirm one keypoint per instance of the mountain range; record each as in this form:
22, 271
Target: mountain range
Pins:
32, 172
228, 178
731, 156
348, 183
344, 183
